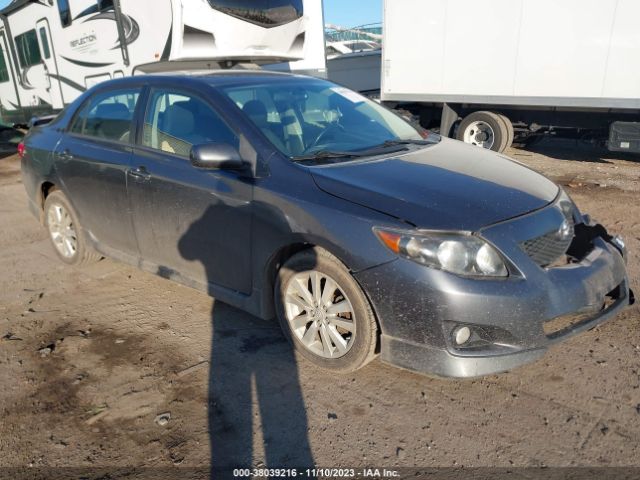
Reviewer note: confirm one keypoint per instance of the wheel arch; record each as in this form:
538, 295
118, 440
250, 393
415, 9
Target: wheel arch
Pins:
46, 188
280, 257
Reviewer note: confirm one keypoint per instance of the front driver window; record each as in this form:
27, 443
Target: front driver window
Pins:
175, 122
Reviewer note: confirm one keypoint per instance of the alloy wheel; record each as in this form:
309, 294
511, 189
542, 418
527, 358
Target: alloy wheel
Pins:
62, 230
320, 315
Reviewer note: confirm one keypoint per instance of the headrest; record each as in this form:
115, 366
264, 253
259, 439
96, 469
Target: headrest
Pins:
113, 111
255, 108
180, 121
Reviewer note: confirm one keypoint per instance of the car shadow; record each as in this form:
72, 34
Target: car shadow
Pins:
255, 405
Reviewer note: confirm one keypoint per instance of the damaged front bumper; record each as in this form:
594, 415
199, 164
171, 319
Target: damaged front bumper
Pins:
511, 322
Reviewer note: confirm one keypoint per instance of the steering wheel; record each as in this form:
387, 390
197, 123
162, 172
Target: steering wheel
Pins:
332, 129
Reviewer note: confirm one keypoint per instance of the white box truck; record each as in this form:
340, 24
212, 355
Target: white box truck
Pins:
484, 71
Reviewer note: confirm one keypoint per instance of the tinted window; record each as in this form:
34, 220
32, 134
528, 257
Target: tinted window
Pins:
28, 49
44, 39
175, 122
65, 12
4, 72
263, 12
108, 115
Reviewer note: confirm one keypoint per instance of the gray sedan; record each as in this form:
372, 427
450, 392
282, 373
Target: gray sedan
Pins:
292, 197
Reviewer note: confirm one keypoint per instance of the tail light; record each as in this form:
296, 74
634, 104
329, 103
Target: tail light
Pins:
22, 149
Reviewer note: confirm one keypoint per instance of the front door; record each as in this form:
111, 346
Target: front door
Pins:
187, 220
93, 158
50, 64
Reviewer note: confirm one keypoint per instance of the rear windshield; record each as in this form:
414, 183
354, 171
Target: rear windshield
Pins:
268, 13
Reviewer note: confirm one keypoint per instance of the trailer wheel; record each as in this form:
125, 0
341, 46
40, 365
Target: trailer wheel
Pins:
484, 129
511, 134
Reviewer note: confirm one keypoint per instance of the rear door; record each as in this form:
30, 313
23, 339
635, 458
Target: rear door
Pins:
92, 159
193, 221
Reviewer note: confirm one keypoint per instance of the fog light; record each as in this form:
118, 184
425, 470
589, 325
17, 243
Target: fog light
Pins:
462, 335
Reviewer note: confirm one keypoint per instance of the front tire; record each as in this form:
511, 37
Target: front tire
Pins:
324, 313
65, 232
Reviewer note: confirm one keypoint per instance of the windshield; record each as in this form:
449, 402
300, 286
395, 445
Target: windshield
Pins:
267, 13
303, 117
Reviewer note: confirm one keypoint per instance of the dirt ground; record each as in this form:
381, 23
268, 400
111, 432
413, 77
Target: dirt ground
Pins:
107, 366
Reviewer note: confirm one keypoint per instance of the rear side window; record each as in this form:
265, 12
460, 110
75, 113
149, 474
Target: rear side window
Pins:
175, 122
108, 115
28, 49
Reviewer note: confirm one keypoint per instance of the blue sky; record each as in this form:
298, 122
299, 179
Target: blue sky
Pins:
346, 13
352, 13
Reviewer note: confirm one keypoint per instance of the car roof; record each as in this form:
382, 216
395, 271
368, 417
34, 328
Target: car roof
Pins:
220, 78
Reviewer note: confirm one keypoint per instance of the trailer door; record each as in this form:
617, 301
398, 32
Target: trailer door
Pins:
9, 103
50, 63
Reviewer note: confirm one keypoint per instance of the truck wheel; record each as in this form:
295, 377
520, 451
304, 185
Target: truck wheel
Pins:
511, 134
66, 235
484, 129
324, 313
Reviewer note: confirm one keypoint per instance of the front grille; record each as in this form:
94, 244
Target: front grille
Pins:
547, 249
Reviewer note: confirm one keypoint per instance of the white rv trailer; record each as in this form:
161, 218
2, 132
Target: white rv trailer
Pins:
476, 70
53, 50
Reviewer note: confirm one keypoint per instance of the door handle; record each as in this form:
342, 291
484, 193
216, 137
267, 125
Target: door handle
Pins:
65, 155
140, 173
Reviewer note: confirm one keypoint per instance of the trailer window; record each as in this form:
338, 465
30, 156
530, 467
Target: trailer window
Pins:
97, 7
4, 71
44, 40
65, 12
268, 13
28, 49
105, 5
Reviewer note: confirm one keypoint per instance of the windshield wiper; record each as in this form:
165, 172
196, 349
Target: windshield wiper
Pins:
394, 143
326, 154
375, 150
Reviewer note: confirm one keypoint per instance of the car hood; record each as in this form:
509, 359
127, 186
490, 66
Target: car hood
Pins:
447, 186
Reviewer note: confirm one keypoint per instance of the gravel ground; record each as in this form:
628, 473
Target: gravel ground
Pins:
106, 366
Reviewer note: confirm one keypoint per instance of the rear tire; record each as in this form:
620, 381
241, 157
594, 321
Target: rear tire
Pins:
510, 131
324, 313
484, 129
66, 234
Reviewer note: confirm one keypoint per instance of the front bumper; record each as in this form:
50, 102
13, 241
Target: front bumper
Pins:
419, 308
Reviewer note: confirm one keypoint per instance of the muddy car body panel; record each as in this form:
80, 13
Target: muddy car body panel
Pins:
135, 204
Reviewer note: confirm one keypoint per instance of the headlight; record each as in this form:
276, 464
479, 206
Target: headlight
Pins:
456, 253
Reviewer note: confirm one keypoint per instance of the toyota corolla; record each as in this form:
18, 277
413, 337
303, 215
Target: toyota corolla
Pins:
292, 197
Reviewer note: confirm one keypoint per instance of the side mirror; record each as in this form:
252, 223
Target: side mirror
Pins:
216, 156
